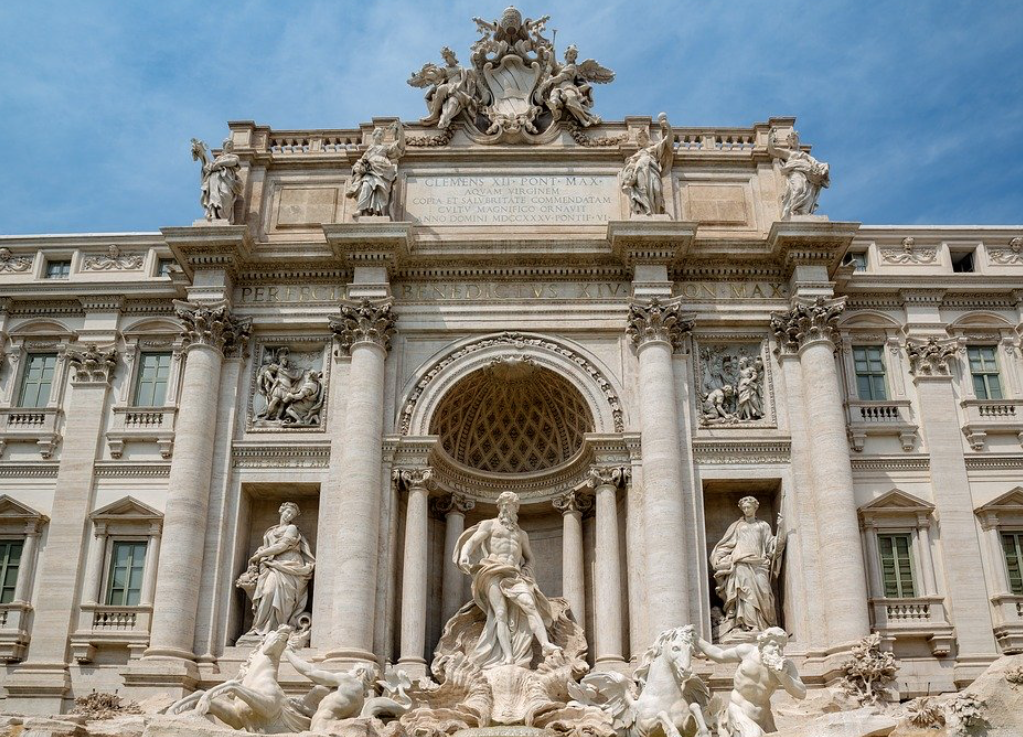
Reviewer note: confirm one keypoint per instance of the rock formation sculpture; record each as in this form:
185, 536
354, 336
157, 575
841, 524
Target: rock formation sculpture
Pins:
671, 697
221, 185
746, 563
374, 173
805, 176
762, 670
870, 673
277, 579
641, 177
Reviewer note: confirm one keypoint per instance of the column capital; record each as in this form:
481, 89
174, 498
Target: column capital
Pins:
453, 503
572, 502
212, 324
92, 365
931, 356
658, 321
806, 322
412, 479
616, 476
364, 321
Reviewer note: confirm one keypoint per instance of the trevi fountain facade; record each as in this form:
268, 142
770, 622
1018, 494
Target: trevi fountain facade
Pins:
510, 420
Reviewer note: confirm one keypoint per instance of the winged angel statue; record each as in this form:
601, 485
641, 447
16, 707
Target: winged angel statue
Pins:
515, 88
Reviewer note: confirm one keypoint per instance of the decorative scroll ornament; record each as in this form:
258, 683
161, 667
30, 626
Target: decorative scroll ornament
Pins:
10, 262
364, 322
413, 478
806, 323
453, 503
909, 253
608, 476
933, 357
93, 366
1010, 255
572, 502
515, 89
658, 321
213, 325
114, 260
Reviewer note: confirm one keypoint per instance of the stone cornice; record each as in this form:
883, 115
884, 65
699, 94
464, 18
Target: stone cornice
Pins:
370, 242
659, 321
800, 242
367, 321
650, 240
209, 247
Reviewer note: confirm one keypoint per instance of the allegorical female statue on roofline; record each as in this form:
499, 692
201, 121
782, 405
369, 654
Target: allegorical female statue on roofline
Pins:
221, 185
373, 175
641, 177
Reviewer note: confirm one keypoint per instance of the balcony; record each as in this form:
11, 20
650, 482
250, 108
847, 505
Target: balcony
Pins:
14, 625
31, 425
142, 424
100, 625
921, 617
1008, 616
894, 417
991, 416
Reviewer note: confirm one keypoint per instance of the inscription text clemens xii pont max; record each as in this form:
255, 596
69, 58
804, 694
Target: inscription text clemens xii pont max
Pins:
511, 199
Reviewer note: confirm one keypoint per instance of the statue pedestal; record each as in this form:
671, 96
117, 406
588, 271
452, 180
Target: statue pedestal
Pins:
204, 223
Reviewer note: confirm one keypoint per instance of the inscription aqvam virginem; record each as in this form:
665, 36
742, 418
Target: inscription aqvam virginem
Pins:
511, 199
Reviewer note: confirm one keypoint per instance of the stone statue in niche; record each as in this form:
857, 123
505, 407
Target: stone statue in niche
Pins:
733, 384
496, 554
291, 395
641, 177
746, 563
221, 185
452, 90
277, 579
762, 670
373, 175
569, 91
805, 176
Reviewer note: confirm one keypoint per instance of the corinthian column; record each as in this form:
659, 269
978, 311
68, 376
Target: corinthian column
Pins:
210, 331
608, 579
363, 331
809, 328
657, 330
416, 482
454, 508
573, 571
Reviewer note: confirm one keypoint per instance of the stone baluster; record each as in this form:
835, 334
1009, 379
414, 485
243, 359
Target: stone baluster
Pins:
416, 483
210, 332
363, 331
809, 328
658, 329
932, 363
454, 507
608, 579
573, 571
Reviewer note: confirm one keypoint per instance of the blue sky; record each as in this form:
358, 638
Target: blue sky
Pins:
917, 106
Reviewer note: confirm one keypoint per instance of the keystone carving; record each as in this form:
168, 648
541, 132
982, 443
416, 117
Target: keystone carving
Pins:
933, 357
658, 321
363, 322
92, 366
807, 322
213, 325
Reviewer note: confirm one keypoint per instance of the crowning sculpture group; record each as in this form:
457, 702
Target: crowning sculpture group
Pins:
511, 655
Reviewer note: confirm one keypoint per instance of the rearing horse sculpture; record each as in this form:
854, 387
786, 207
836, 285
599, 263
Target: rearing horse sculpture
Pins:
671, 697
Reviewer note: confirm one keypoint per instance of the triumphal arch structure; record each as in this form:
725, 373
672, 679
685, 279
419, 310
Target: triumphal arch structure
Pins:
323, 414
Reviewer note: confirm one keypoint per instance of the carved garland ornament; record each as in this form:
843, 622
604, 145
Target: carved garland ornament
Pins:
10, 262
213, 325
1010, 255
363, 322
933, 357
92, 366
909, 253
517, 340
806, 323
659, 321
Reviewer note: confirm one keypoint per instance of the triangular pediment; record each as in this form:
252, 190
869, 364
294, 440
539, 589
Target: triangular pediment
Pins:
13, 509
897, 500
126, 508
1011, 501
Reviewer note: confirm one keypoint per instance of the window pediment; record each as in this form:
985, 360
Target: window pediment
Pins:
18, 518
894, 508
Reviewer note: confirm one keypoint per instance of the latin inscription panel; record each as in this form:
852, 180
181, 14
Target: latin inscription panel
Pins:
512, 199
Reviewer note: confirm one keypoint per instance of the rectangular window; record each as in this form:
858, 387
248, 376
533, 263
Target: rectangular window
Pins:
869, 364
963, 262
858, 260
58, 269
164, 266
153, 374
127, 563
37, 380
984, 369
10, 563
1012, 544
896, 568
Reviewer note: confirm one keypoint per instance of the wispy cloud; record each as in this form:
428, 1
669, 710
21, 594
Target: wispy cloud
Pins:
917, 105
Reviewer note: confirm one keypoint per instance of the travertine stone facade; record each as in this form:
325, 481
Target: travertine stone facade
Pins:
505, 320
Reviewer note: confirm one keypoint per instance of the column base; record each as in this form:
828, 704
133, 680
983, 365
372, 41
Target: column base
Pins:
611, 664
38, 689
415, 667
350, 655
160, 675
